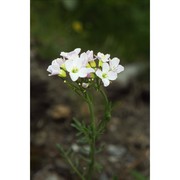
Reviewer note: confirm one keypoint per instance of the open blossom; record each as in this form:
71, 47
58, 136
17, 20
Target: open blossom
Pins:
115, 66
102, 57
86, 67
54, 68
76, 69
106, 74
90, 55
72, 54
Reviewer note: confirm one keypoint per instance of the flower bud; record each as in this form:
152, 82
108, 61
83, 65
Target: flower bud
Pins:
92, 63
100, 63
88, 65
63, 67
85, 85
62, 73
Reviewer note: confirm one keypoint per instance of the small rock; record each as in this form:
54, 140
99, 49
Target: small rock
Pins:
75, 147
60, 112
47, 174
40, 138
116, 152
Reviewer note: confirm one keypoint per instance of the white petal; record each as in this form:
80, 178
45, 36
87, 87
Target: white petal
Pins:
99, 73
107, 56
105, 67
119, 69
63, 54
69, 65
90, 70
114, 62
78, 62
99, 54
112, 75
53, 69
60, 61
83, 72
106, 82
84, 59
77, 50
74, 76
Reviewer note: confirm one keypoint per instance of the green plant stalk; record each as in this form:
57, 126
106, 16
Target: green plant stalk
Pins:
71, 163
74, 168
93, 139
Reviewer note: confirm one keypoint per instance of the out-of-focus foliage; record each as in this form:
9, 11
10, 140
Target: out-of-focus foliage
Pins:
119, 27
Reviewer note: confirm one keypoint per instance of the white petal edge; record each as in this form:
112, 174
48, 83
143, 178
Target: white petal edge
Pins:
106, 82
114, 62
119, 69
69, 65
105, 67
74, 76
99, 73
112, 75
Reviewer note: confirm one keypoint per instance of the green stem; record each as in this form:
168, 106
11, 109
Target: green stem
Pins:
92, 143
104, 96
74, 168
70, 162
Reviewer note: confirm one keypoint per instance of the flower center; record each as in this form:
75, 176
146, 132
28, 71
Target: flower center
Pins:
75, 70
104, 75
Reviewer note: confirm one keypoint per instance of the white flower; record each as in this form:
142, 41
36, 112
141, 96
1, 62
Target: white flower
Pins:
72, 54
115, 66
106, 74
102, 57
54, 68
76, 69
90, 55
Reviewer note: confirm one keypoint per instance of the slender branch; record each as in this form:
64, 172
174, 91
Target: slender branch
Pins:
70, 162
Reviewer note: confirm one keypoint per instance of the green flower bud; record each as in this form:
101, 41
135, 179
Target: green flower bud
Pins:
62, 73
100, 63
92, 63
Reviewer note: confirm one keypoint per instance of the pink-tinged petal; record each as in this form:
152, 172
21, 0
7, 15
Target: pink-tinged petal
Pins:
69, 65
114, 62
99, 73
112, 75
105, 67
53, 69
77, 50
83, 72
100, 55
60, 61
106, 82
84, 59
119, 69
90, 55
71, 54
73, 76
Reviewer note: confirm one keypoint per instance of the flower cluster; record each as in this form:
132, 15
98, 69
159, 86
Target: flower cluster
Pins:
86, 67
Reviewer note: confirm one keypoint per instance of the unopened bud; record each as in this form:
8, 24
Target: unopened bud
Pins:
100, 63
85, 85
62, 73
92, 63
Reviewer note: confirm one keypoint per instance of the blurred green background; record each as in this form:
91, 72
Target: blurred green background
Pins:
118, 27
